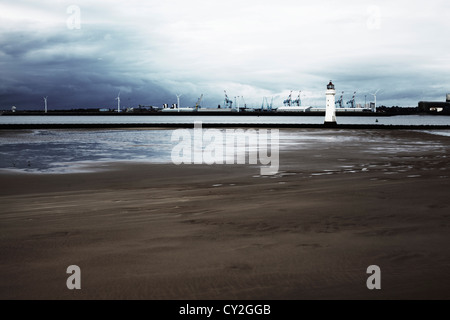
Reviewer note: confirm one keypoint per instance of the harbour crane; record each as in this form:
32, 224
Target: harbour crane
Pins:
341, 100
197, 105
298, 101
288, 101
227, 102
352, 101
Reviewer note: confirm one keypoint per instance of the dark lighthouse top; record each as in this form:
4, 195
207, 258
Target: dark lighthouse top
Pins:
330, 86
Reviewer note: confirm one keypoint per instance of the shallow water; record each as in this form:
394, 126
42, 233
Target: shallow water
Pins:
66, 150
61, 151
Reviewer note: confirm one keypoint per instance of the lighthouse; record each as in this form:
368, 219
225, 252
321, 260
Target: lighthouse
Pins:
330, 111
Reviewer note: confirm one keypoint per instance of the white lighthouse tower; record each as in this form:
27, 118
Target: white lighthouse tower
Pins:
330, 111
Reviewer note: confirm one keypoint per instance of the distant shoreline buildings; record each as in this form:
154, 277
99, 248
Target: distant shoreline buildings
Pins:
435, 106
290, 107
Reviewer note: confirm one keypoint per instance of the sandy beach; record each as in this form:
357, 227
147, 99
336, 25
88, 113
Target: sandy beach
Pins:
161, 231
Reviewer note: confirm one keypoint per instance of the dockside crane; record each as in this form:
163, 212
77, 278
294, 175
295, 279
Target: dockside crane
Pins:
227, 102
288, 101
341, 100
352, 101
197, 105
298, 101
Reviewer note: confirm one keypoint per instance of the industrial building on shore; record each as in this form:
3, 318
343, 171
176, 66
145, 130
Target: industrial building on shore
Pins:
439, 107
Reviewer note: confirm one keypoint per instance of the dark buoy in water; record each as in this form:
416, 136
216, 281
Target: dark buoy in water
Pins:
376, 120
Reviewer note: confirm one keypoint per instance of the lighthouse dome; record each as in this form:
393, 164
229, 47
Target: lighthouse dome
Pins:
330, 86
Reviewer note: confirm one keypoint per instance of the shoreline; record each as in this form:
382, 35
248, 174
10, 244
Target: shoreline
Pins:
221, 125
160, 231
206, 113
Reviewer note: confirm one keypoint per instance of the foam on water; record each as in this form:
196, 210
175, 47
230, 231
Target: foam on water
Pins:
445, 133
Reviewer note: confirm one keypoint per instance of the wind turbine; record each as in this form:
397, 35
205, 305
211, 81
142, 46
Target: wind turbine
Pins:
375, 97
118, 102
178, 101
45, 101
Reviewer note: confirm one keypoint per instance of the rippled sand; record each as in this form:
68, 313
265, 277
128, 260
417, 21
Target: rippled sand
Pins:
340, 202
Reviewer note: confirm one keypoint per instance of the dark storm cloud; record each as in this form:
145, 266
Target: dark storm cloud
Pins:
152, 50
75, 69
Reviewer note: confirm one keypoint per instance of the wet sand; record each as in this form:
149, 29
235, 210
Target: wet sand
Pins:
151, 231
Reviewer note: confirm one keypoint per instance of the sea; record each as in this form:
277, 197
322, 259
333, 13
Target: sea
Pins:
415, 120
80, 150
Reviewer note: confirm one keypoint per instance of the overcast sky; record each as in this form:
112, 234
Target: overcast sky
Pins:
82, 53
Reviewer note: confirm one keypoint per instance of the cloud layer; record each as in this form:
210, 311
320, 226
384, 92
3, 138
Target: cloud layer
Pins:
81, 54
